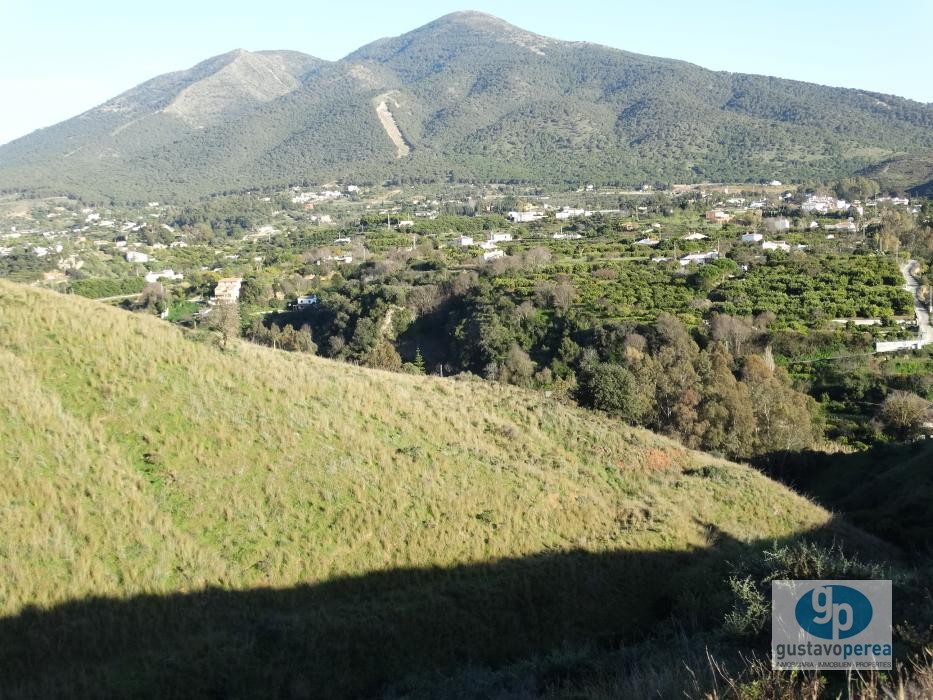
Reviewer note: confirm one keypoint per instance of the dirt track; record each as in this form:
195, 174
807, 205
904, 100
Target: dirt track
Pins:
402, 148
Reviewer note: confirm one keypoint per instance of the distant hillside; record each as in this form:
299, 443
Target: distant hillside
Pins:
260, 523
473, 98
912, 174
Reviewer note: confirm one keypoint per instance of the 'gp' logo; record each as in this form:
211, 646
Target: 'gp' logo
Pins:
833, 612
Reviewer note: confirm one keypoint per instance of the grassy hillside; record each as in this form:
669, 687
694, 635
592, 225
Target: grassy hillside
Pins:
476, 99
256, 522
910, 173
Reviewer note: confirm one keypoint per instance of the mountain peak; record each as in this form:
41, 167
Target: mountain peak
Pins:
465, 32
473, 18
479, 22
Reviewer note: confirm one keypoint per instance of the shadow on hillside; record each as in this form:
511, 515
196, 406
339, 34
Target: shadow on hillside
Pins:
887, 491
352, 637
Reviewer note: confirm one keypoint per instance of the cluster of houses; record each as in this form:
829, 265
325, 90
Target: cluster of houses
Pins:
310, 198
691, 258
824, 204
562, 214
814, 204
490, 250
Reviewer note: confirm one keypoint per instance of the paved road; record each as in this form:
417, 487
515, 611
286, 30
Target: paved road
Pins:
923, 315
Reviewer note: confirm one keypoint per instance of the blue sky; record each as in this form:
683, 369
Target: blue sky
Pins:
59, 59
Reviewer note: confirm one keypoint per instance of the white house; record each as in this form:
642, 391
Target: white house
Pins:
465, 241
777, 224
493, 255
698, 258
406, 223
501, 237
525, 216
776, 245
342, 241
164, 274
695, 237
647, 241
136, 256
752, 237
569, 213
846, 226
566, 236
305, 301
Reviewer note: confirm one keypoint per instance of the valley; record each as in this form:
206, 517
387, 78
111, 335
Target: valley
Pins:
474, 363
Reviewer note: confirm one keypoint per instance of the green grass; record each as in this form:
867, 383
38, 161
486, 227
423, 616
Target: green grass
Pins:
163, 500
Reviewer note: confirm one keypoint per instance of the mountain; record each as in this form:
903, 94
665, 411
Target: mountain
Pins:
254, 523
466, 97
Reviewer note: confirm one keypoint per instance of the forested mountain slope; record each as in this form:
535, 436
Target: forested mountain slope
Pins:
474, 98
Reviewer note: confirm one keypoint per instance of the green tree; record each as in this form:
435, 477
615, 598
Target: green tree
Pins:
614, 389
383, 356
224, 318
903, 414
726, 410
784, 418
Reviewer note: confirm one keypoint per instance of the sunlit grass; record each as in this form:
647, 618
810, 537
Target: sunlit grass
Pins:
137, 459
